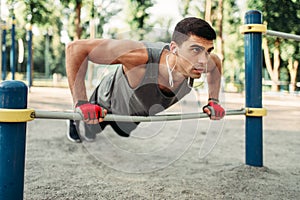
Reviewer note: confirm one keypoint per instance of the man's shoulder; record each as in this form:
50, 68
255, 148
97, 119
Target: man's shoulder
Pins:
156, 45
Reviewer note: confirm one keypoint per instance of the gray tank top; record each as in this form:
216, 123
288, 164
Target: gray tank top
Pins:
115, 94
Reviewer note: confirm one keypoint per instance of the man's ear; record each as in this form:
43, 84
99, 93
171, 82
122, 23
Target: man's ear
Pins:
173, 47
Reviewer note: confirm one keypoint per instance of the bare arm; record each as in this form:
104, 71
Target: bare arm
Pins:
214, 76
100, 51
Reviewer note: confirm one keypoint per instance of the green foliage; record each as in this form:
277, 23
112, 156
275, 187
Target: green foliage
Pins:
283, 16
35, 11
100, 11
192, 8
138, 16
67, 3
233, 64
45, 18
53, 17
280, 15
103, 11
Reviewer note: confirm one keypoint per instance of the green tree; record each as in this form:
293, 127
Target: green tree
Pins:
102, 11
35, 11
76, 5
233, 62
138, 17
286, 53
40, 15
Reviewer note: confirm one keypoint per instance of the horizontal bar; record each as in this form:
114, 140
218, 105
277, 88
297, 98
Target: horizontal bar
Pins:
283, 35
124, 118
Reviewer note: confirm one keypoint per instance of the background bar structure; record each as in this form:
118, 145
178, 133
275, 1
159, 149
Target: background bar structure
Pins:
283, 35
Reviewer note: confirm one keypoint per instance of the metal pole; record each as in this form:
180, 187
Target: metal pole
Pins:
124, 118
29, 56
13, 49
13, 95
253, 73
46, 56
1, 27
3, 51
283, 35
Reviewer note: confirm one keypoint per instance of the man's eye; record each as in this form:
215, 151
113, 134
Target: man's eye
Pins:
197, 50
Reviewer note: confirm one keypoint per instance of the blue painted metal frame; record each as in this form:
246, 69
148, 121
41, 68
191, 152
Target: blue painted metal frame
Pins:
253, 73
13, 95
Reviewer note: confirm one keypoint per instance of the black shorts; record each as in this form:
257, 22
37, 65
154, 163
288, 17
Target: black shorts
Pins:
121, 128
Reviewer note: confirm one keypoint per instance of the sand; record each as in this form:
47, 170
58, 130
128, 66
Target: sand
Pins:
196, 159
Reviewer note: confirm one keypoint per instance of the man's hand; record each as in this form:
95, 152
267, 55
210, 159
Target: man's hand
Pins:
214, 110
92, 113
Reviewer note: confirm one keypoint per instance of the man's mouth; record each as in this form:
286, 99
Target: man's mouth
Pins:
198, 70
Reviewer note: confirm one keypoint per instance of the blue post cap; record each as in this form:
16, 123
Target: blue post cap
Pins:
253, 17
13, 94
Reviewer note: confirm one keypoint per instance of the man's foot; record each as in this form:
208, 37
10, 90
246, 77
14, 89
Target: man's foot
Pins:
88, 131
79, 131
72, 133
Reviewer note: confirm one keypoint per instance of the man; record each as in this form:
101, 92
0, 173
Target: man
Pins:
151, 76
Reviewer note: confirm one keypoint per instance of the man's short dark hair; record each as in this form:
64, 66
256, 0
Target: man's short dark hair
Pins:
192, 26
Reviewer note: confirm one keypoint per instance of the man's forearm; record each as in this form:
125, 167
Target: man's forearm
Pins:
76, 67
214, 83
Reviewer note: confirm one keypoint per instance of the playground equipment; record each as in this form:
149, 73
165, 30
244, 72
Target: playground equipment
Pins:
14, 114
13, 54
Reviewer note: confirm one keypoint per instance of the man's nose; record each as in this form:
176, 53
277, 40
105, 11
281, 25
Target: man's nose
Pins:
203, 57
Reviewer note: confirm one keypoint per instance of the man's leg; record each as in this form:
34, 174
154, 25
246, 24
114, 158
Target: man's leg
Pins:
72, 133
80, 131
123, 128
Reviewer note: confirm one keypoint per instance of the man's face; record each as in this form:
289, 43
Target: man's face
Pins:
193, 56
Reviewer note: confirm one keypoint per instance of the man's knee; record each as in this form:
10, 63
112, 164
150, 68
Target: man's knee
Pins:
123, 129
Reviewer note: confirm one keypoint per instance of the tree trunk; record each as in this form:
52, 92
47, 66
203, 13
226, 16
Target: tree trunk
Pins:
293, 68
271, 71
208, 11
276, 65
220, 42
78, 29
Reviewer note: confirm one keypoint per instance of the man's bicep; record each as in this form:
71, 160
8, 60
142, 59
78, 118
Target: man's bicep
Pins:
108, 51
215, 63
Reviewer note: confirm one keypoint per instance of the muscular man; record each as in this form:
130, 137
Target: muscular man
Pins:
151, 76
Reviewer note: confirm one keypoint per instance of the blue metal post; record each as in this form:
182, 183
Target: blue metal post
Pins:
3, 51
29, 57
13, 49
13, 95
253, 72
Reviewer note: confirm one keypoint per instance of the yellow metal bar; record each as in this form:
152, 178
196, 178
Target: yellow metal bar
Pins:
16, 115
253, 28
256, 112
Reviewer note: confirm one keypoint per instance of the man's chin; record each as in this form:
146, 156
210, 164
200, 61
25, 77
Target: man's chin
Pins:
196, 76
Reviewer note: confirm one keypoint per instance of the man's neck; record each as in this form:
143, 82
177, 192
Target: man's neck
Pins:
169, 60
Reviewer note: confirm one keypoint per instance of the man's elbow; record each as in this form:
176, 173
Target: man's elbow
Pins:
217, 61
70, 47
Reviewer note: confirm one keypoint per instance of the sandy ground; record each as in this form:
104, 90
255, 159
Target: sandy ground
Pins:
195, 159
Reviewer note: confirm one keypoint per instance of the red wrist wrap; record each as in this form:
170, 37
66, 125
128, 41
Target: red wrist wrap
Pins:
90, 111
216, 111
